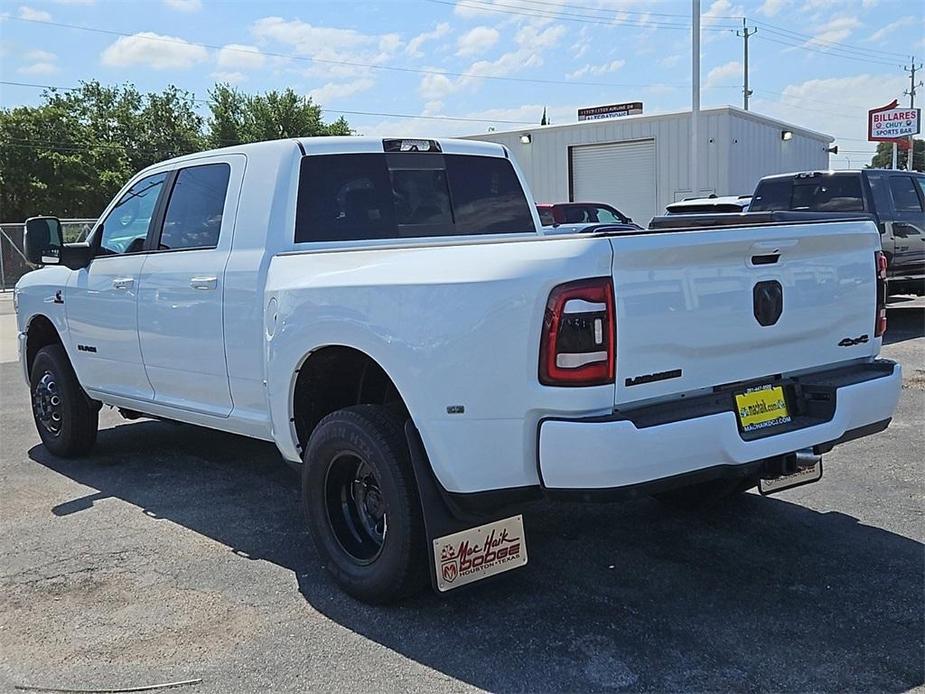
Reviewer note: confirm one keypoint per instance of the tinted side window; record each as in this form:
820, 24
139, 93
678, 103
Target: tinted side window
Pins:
546, 217
345, 197
773, 194
880, 193
905, 198
194, 213
126, 226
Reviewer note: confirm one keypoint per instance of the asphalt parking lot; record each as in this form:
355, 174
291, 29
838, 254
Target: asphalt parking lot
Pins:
176, 553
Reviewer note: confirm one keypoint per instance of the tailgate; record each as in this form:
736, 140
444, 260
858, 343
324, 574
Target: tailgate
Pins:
690, 305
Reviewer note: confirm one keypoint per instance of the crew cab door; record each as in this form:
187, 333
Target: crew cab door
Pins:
908, 226
101, 299
180, 311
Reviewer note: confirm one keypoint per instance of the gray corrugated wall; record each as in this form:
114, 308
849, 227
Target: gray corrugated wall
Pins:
727, 167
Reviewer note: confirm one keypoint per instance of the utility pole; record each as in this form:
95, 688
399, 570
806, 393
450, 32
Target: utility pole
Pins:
745, 33
695, 96
912, 69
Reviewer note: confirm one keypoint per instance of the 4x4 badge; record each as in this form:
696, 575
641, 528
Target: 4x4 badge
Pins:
852, 341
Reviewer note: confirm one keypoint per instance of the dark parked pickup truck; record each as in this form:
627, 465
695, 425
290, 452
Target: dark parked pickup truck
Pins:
894, 199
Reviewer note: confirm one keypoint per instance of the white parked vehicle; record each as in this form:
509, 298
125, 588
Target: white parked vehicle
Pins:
390, 315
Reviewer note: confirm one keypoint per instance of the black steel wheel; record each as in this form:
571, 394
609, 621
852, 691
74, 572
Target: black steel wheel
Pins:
362, 504
66, 419
355, 507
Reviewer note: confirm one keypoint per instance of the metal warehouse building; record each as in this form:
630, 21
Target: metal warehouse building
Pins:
639, 164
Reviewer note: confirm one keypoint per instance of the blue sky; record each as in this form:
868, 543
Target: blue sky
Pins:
816, 63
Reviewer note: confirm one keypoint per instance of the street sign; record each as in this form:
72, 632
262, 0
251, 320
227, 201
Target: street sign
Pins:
632, 108
890, 122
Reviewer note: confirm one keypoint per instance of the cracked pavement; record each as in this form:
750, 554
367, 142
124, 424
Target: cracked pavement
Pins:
174, 552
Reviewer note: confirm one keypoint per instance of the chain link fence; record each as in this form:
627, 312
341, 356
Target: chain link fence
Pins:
13, 264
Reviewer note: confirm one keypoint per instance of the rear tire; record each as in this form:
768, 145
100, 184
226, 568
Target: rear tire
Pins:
66, 418
362, 505
705, 495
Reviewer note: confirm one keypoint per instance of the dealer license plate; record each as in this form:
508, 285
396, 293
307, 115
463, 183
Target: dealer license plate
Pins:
762, 407
479, 552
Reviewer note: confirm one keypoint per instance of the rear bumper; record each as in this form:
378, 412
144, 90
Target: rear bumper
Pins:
664, 441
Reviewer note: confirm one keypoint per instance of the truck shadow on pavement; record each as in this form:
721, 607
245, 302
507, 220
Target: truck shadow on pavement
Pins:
763, 595
904, 323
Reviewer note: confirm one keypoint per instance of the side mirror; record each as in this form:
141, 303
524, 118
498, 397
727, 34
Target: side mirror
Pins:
43, 244
43, 240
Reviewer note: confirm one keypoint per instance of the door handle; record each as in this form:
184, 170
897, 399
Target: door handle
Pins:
123, 283
203, 282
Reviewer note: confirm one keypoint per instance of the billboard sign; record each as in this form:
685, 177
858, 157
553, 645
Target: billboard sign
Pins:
632, 108
891, 122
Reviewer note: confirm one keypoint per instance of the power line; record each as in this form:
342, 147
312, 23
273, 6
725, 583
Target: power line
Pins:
809, 37
565, 16
343, 63
465, 119
829, 52
556, 11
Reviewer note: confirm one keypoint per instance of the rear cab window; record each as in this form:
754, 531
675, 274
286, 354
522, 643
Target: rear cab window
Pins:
824, 193
344, 197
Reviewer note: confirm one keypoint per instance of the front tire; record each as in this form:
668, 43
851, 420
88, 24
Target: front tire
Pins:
362, 505
66, 419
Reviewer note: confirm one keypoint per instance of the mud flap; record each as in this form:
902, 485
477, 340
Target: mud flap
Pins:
462, 547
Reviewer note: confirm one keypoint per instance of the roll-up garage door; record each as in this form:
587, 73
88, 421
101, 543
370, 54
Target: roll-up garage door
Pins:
620, 173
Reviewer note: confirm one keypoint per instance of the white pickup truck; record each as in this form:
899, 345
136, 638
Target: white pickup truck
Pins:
390, 315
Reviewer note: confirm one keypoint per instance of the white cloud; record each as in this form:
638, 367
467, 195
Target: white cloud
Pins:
532, 43
39, 63
184, 5
236, 55
722, 73
389, 43
75, 2
38, 69
770, 8
338, 90
432, 107
477, 40
837, 106
612, 66
838, 29
885, 32
328, 44
414, 45
40, 56
720, 9
528, 114
435, 86
35, 15
671, 60
153, 50
230, 77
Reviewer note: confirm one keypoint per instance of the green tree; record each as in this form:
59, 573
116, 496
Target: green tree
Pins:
226, 124
71, 154
544, 120
883, 159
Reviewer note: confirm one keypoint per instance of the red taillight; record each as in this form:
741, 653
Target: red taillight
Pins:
577, 345
880, 322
